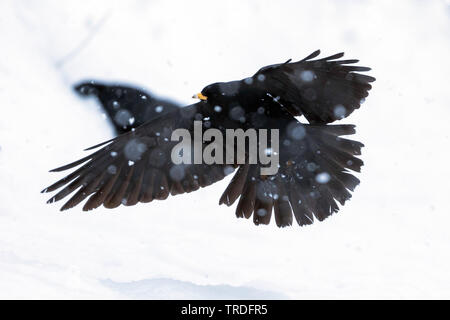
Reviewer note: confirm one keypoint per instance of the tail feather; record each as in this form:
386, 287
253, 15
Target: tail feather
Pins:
307, 186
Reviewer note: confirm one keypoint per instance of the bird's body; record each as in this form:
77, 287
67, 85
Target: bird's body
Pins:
314, 160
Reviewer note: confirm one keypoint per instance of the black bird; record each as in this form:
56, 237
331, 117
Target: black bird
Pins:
314, 159
126, 107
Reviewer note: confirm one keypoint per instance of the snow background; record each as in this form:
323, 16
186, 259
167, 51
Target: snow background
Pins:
391, 241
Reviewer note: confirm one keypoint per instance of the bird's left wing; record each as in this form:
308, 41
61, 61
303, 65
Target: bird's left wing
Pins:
136, 167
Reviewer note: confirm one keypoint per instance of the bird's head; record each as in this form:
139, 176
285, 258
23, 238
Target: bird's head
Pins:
219, 91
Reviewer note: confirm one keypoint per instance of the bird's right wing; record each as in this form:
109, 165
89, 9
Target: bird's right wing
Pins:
137, 167
323, 90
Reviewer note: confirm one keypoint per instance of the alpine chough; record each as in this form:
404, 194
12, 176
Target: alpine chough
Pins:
314, 159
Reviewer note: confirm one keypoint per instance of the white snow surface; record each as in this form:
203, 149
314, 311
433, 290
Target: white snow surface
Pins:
390, 241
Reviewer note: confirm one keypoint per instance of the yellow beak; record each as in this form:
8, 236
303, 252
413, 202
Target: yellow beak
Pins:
199, 96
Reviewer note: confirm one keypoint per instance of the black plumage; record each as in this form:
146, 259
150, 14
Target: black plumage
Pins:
315, 160
126, 107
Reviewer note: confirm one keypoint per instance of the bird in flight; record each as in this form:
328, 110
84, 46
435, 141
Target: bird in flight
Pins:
315, 161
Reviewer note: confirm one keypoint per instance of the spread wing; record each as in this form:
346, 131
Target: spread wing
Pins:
323, 90
127, 107
136, 167
314, 174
